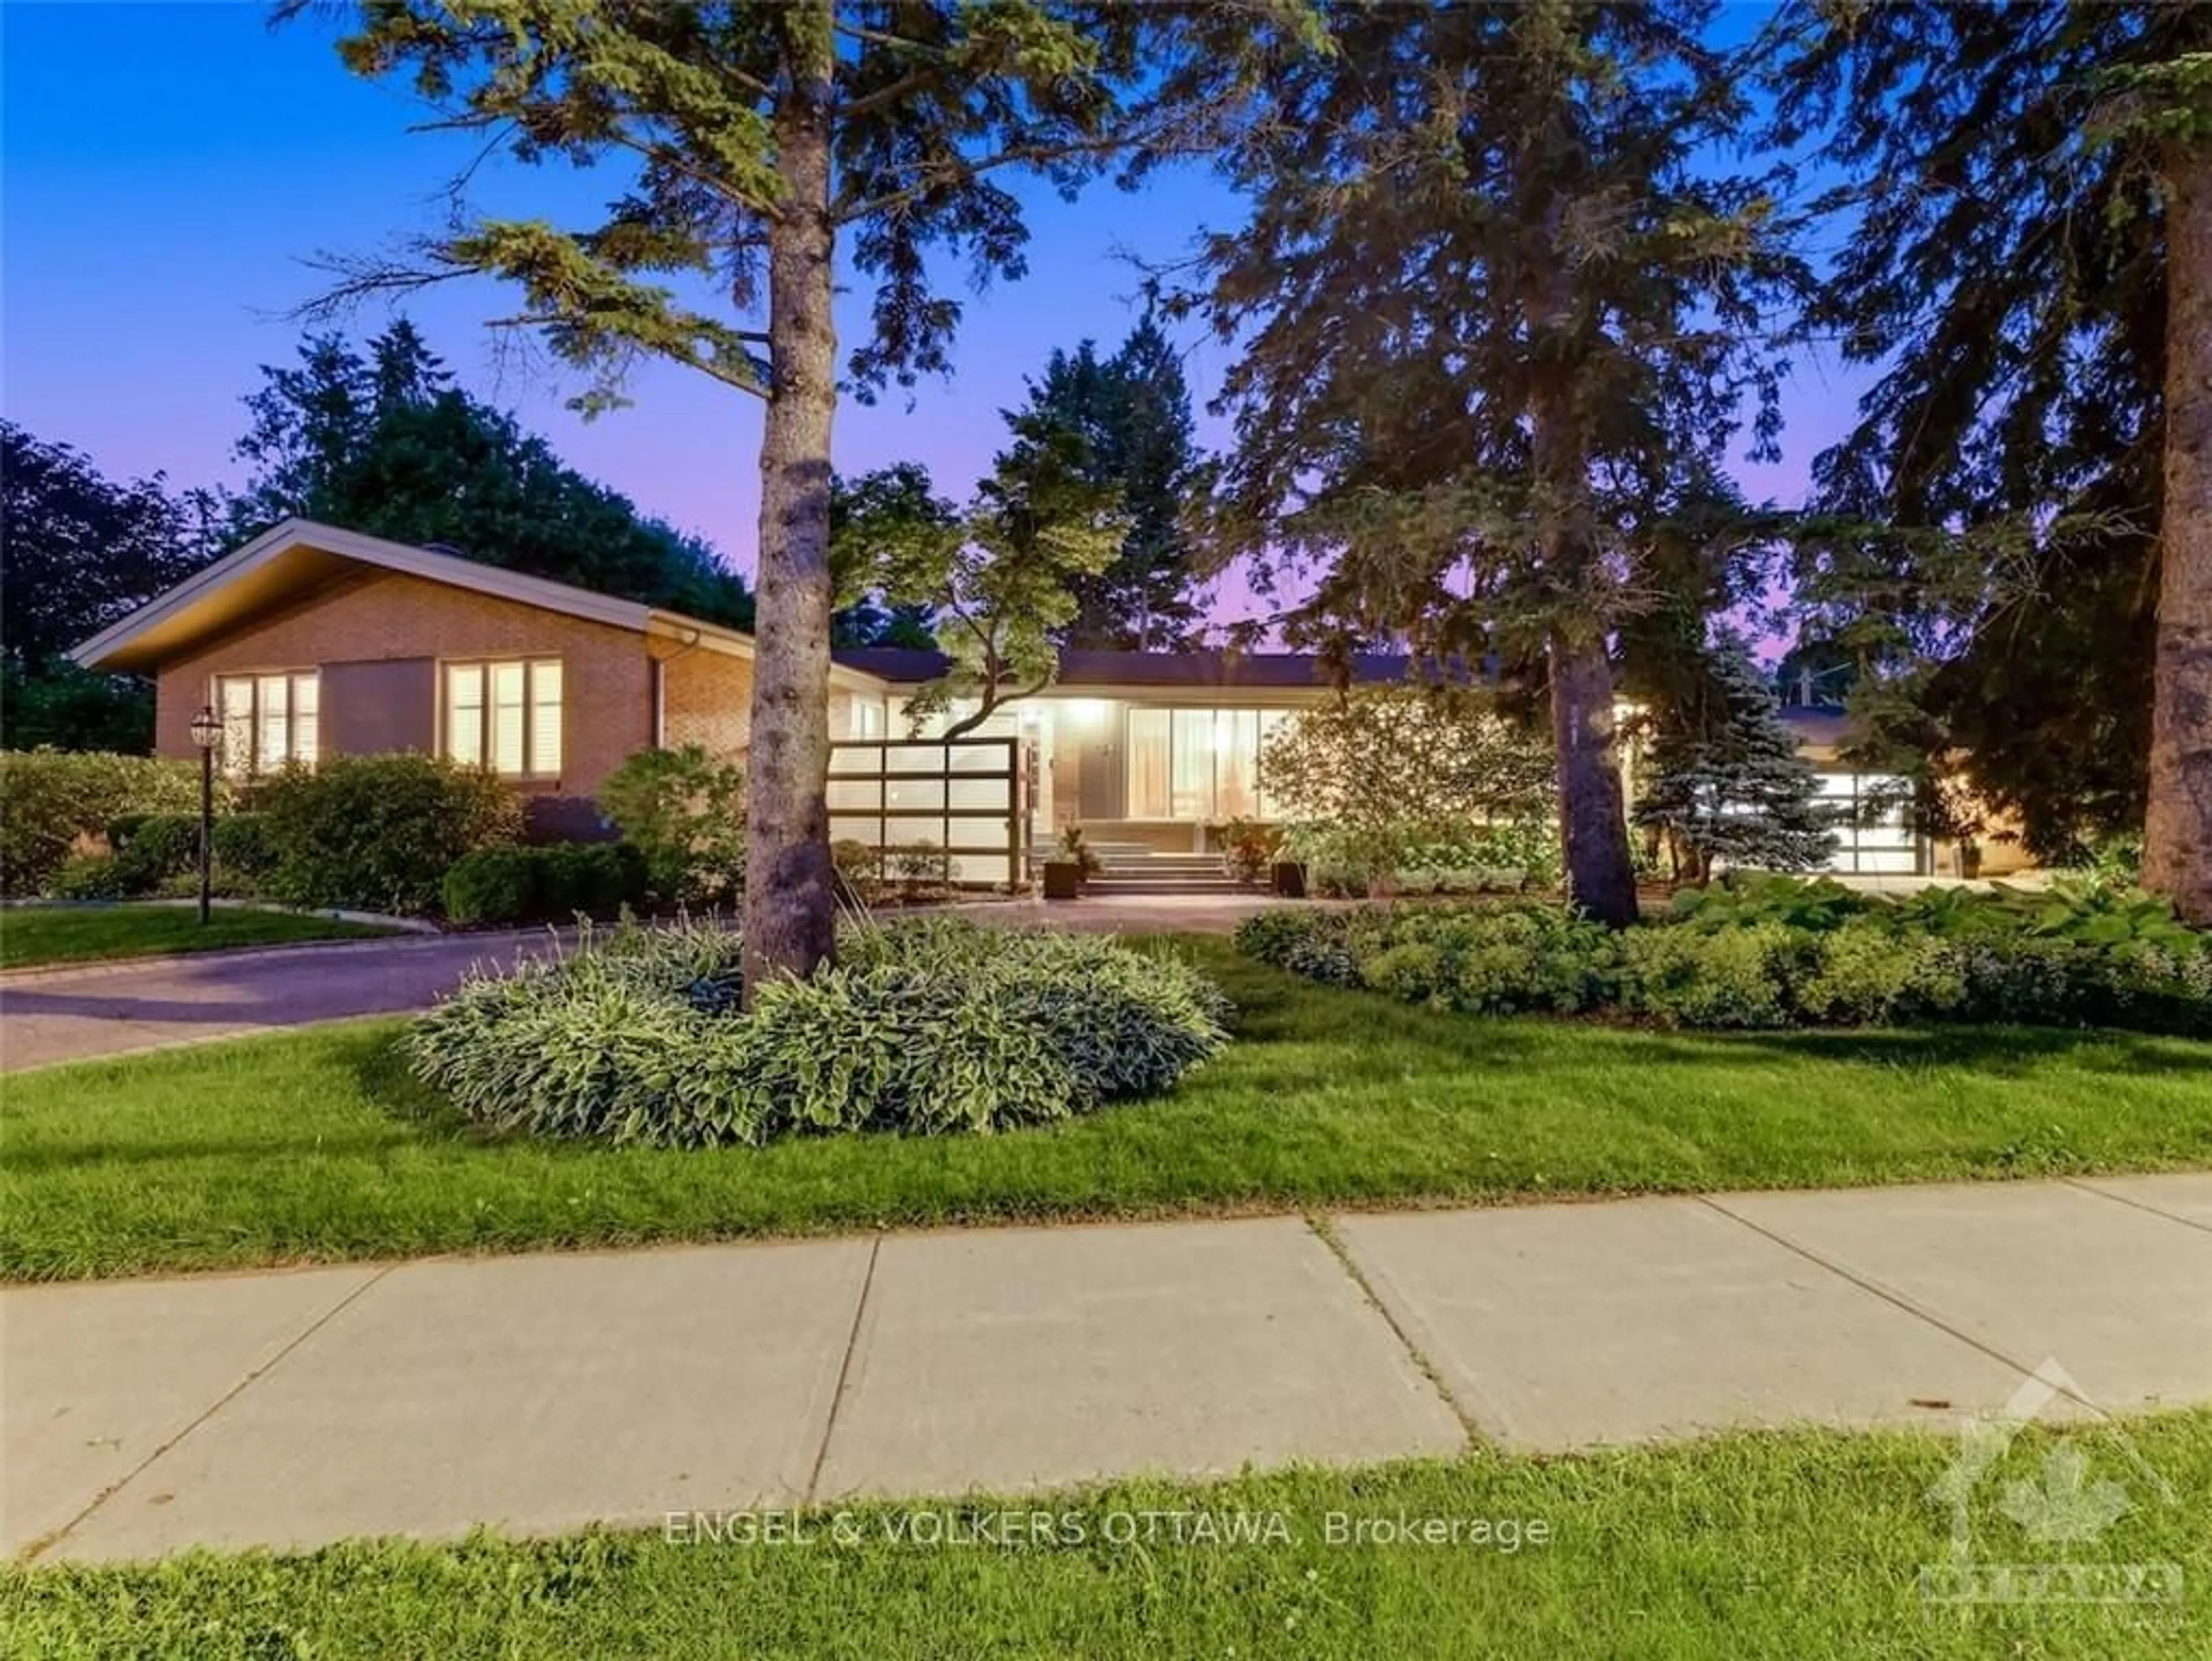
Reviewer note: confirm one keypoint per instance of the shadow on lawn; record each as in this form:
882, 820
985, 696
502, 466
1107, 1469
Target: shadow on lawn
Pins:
387, 1081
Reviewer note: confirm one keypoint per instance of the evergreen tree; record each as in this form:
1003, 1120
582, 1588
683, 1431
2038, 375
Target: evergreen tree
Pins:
380, 441
1499, 300
2028, 191
1727, 783
1132, 416
772, 155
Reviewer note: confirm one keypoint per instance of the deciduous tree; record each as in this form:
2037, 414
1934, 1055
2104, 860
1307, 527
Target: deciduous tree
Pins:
867, 514
1001, 581
79, 552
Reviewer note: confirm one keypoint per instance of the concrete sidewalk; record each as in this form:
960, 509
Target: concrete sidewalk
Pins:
84, 1010
546, 1392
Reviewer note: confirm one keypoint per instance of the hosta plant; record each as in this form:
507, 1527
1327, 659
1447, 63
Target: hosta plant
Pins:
641, 1036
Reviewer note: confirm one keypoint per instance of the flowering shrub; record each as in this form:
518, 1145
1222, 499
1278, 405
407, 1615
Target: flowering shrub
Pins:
1416, 857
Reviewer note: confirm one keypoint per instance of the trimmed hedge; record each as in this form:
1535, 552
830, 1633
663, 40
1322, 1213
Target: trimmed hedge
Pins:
551, 881
379, 832
922, 1028
1742, 964
53, 801
158, 854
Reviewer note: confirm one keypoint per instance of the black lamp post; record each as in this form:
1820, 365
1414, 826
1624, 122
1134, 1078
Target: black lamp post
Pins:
207, 733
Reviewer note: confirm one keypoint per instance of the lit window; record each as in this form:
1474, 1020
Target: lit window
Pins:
1198, 764
545, 717
505, 716
267, 720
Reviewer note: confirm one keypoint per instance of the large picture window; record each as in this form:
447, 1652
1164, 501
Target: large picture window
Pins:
505, 714
267, 720
1200, 764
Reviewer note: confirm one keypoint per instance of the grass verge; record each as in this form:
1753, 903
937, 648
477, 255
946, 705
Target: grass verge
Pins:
1803, 1544
33, 934
316, 1145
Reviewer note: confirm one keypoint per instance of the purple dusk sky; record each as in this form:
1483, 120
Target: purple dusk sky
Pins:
168, 169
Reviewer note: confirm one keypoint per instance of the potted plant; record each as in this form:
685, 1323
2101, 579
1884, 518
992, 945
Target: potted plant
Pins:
1075, 864
1249, 850
1290, 872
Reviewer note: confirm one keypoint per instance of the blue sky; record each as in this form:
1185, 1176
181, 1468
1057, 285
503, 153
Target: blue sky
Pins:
167, 170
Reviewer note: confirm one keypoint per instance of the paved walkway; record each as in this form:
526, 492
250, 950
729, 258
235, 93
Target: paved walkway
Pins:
546, 1392
111, 1009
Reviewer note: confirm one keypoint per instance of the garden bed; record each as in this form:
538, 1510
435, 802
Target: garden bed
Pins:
1774, 953
647, 1036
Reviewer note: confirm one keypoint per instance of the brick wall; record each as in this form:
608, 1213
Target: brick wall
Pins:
607, 692
705, 698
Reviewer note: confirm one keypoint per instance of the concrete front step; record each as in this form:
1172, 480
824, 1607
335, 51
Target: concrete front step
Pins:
1111, 887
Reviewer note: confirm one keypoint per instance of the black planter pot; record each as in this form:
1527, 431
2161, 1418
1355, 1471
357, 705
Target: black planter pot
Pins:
1289, 879
1063, 879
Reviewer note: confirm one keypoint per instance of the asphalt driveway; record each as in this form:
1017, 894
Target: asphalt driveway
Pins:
90, 1010
111, 1009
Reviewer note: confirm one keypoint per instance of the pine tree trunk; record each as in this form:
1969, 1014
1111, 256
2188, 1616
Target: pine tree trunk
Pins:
1593, 818
1593, 815
790, 907
2177, 827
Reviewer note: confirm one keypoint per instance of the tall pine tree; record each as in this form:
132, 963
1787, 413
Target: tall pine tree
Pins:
1497, 299
378, 440
1131, 415
2028, 190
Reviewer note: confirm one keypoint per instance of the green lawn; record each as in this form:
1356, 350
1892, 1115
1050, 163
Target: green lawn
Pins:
74, 933
316, 1146
1807, 1545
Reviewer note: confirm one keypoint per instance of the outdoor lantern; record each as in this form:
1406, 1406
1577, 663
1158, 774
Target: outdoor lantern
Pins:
207, 733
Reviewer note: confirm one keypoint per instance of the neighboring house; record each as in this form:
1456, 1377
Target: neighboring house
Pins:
310, 640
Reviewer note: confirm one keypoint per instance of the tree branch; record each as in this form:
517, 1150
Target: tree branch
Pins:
853, 31
964, 171
889, 93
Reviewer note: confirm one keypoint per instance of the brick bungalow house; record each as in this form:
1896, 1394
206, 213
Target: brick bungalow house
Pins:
311, 641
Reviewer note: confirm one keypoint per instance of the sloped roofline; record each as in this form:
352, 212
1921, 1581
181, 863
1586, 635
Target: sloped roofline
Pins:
451, 570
